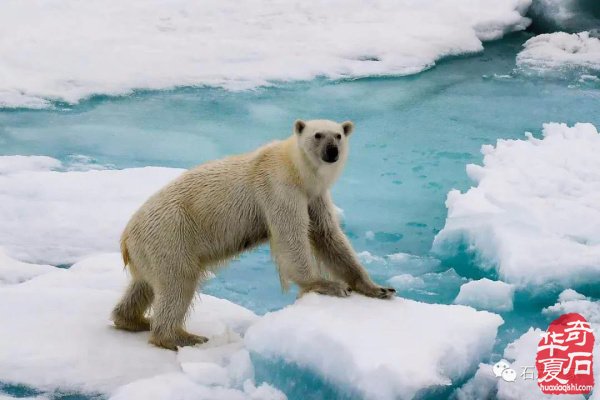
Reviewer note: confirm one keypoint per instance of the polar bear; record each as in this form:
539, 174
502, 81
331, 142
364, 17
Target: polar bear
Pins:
278, 193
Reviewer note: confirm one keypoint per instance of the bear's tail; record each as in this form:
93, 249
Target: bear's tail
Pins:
124, 251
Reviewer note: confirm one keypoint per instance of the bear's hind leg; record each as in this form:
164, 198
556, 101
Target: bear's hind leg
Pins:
129, 313
171, 306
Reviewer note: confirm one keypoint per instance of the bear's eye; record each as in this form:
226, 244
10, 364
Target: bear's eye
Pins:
338, 136
318, 136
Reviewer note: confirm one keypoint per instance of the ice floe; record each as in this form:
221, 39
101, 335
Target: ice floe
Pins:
378, 349
56, 336
51, 214
68, 50
59, 340
486, 294
560, 51
535, 211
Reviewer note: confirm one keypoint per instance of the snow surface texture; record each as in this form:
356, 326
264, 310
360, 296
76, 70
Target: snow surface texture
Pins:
535, 211
51, 214
55, 318
371, 346
560, 51
68, 50
13, 271
487, 295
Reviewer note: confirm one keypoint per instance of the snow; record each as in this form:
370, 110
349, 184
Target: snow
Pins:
59, 337
486, 294
535, 210
178, 386
13, 271
559, 51
53, 214
369, 345
11, 164
117, 46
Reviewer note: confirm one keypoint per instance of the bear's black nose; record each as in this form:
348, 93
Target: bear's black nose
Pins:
331, 154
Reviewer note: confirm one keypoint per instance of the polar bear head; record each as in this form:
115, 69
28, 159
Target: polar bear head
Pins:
323, 142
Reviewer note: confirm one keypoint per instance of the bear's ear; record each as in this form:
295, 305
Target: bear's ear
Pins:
299, 126
348, 127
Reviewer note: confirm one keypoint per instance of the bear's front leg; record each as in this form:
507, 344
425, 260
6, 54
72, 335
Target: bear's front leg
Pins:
288, 222
333, 248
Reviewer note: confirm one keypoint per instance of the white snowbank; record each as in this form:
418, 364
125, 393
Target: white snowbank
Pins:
486, 294
50, 215
535, 211
56, 335
560, 50
13, 271
69, 49
379, 349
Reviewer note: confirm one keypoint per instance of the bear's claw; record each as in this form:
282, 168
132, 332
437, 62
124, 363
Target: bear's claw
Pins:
377, 292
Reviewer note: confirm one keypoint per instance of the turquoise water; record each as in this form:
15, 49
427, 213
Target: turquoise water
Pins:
414, 136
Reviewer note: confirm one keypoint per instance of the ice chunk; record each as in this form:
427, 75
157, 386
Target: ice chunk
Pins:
77, 213
228, 43
407, 262
535, 211
522, 352
370, 345
569, 301
405, 281
482, 385
57, 336
560, 51
521, 355
487, 295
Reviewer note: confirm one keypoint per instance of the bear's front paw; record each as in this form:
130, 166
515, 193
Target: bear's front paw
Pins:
329, 288
378, 292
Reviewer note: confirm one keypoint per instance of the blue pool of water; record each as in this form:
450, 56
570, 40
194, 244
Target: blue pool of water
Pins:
414, 136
